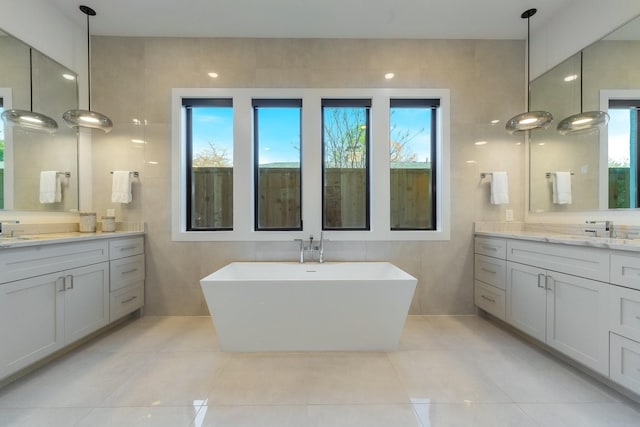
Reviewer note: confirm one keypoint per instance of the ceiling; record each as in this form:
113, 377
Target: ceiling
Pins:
445, 19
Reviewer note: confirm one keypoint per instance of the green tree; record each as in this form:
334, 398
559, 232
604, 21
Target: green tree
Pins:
1, 150
344, 138
212, 157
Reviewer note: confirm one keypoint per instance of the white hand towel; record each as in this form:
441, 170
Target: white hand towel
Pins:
50, 187
561, 188
121, 187
499, 188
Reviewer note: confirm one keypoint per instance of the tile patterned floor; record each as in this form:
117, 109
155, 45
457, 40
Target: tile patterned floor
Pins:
448, 371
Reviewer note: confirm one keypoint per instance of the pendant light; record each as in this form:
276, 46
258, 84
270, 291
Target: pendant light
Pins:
28, 119
530, 120
584, 122
88, 118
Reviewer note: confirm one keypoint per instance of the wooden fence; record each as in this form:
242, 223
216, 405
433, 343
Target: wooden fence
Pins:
345, 198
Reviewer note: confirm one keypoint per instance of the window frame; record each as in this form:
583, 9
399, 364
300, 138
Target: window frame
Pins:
275, 103
188, 109
243, 192
349, 103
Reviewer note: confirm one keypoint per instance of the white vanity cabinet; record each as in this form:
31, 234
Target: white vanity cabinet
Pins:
127, 276
41, 313
566, 311
624, 320
54, 294
489, 275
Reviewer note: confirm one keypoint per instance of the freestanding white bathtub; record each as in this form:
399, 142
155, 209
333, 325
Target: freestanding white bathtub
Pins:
286, 306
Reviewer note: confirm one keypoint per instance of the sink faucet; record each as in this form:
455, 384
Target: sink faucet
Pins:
7, 221
607, 225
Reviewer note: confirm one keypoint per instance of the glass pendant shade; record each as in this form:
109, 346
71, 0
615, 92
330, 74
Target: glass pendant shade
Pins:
30, 120
529, 121
87, 119
583, 123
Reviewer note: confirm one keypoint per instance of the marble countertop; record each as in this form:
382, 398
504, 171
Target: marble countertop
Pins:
632, 245
52, 238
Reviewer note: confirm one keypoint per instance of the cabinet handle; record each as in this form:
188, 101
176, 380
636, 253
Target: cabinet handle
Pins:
61, 279
486, 270
487, 298
127, 248
489, 248
70, 285
549, 283
540, 285
129, 271
128, 300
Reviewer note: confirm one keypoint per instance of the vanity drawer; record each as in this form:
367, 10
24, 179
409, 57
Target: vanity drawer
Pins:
126, 271
120, 248
624, 362
30, 261
625, 270
624, 312
578, 261
126, 300
490, 299
491, 246
490, 270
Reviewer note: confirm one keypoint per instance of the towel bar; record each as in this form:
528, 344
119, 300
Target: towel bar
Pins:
483, 175
134, 173
66, 174
548, 174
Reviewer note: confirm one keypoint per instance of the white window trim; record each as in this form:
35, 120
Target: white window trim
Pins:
6, 94
243, 222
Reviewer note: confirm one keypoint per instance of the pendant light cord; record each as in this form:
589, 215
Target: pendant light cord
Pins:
88, 63
528, 63
581, 100
31, 79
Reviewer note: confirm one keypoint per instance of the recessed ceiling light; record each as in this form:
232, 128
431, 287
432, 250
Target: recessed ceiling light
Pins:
471, 161
480, 142
495, 122
138, 141
571, 78
541, 143
389, 76
213, 75
135, 121
151, 162
69, 76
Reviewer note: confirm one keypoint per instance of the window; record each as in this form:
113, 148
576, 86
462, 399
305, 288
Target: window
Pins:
345, 164
277, 155
412, 142
255, 164
623, 156
209, 136
1, 157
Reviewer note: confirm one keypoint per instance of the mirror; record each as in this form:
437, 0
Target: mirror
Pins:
25, 154
603, 164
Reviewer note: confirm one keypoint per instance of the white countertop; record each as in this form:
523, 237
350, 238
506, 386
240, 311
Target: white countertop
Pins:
632, 245
52, 238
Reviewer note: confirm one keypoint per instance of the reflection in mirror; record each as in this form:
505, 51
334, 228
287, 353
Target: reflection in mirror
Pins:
623, 153
25, 155
611, 66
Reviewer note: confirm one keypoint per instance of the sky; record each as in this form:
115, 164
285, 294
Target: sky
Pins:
280, 132
618, 129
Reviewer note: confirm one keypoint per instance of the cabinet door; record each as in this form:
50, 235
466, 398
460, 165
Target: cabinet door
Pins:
31, 321
526, 299
86, 300
577, 321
